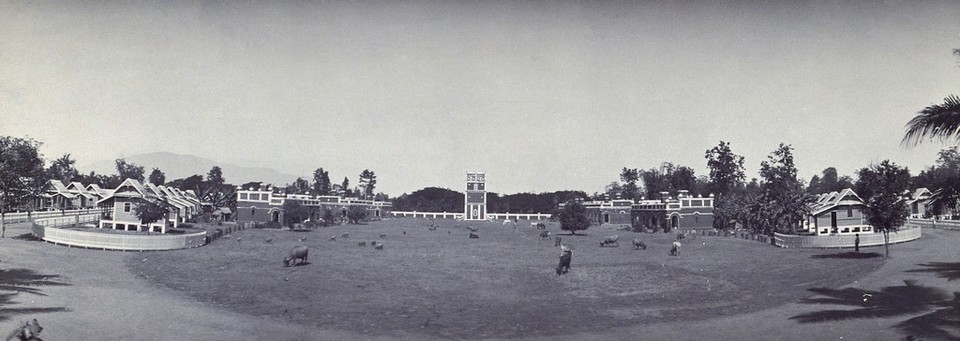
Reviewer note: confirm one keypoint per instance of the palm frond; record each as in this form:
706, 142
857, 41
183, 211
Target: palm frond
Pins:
936, 122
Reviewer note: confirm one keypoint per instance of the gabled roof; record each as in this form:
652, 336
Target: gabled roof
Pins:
172, 198
57, 186
846, 197
129, 188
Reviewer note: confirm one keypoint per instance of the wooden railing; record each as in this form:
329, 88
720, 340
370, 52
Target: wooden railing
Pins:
19, 217
937, 224
46, 229
908, 233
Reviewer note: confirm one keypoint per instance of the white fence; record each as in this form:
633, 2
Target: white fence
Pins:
937, 224
19, 217
46, 229
906, 234
459, 215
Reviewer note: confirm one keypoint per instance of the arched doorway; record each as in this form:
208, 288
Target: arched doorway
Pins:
674, 222
606, 218
275, 216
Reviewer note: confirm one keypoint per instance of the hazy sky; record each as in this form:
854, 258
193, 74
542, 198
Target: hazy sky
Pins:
541, 96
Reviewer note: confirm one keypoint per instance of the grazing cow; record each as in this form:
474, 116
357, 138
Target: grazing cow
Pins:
565, 256
474, 236
544, 235
404, 232
379, 246
383, 235
541, 226
373, 243
533, 224
362, 244
269, 240
26, 331
303, 239
638, 244
675, 249
610, 241
556, 241
296, 253
506, 222
345, 235
333, 237
472, 229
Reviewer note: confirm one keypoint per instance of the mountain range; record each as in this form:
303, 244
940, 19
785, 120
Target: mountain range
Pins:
176, 166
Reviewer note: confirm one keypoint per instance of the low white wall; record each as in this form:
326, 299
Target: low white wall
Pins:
906, 234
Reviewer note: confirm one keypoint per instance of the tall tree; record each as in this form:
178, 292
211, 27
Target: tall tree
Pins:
215, 176
885, 210
629, 177
63, 169
299, 186
726, 177
22, 175
321, 182
157, 177
935, 122
573, 217
345, 186
787, 202
150, 211
368, 181
127, 170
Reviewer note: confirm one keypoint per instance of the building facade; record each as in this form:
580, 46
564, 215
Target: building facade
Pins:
670, 214
264, 205
475, 197
837, 213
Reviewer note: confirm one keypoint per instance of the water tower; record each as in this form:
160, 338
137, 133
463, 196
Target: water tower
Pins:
475, 201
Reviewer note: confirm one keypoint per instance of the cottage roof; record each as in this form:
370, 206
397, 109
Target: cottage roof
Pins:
57, 186
129, 188
846, 197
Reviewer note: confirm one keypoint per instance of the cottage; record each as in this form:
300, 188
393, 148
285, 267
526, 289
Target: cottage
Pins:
837, 213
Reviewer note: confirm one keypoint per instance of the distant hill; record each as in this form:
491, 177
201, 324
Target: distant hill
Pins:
176, 166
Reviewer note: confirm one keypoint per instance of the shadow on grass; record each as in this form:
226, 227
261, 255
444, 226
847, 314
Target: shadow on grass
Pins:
27, 236
950, 271
24, 281
302, 230
847, 255
939, 321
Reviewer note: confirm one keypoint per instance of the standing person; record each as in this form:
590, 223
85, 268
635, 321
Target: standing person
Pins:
565, 256
856, 243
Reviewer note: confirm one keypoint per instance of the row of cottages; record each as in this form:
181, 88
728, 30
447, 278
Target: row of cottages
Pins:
668, 213
258, 205
57, 196
121, 205
837, 213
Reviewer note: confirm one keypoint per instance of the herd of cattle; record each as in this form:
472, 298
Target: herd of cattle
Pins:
298, 254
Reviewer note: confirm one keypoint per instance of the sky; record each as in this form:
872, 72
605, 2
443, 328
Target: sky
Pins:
542, 96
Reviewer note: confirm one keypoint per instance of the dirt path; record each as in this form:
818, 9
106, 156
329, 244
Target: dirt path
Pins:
102, 292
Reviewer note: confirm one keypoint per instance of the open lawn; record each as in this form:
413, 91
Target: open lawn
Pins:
440, 283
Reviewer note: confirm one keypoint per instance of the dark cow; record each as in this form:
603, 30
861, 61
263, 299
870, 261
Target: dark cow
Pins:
638, 244
610, 241
544, 235
474, 236
26, 331
362, 244
379, 246
565, 257
556, 241
297, 253
541, 226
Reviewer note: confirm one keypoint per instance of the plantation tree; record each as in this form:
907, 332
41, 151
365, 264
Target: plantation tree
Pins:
630, 176
22, 175
573, 217
150, 211
127, 170
294, 213
885, 210
321, 182
829, 182
157, 177
345, 187
788, 203
613, 190
356, 214
726, 176
368, 181
63, 169
935, 122
216, 191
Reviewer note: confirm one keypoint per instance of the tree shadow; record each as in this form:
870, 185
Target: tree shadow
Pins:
941, 318
847, 255
27, 236
950, 271
24, 281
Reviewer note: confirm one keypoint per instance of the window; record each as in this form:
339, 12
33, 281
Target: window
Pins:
686, 203
849, 212
697, 203
253, 211
243, 196
126, 207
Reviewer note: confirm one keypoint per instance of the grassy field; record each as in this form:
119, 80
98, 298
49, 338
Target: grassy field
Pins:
441, 283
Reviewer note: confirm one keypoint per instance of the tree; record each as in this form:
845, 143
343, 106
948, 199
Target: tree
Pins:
613, 190
935, 122
321, 182
328, 217
368, 181
150, 211
573, 217
294, 213
726, 177
885, 210
157, 177
63, 169
299, 186
630, 176
356, 214
345, 186
127, 170
22, 175
215, 176
786, 201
